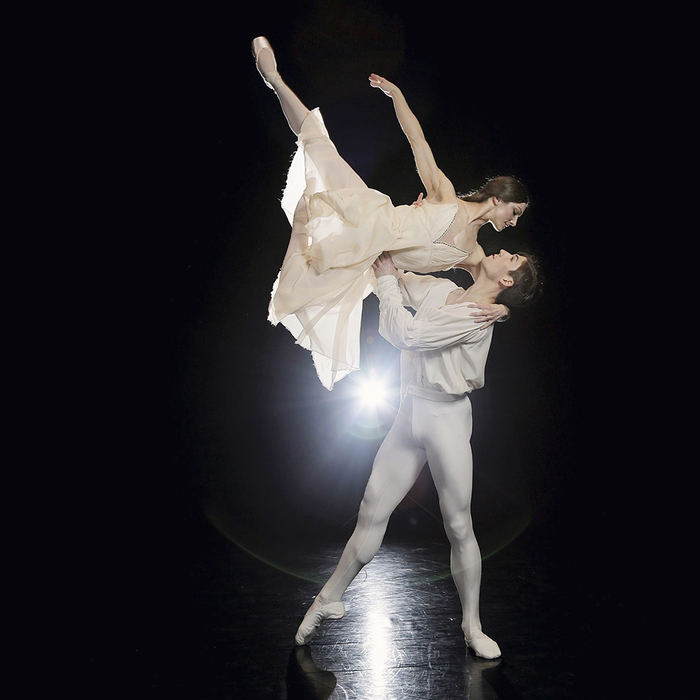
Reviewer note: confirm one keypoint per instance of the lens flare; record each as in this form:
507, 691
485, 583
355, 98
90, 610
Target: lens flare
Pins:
371, 392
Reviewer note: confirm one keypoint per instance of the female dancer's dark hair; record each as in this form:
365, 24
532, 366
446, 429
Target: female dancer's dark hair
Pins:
505, 187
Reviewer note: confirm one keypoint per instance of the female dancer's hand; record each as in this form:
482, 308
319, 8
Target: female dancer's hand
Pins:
489, 313
383, 84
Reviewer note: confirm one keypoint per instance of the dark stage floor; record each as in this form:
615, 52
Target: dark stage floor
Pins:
400, 637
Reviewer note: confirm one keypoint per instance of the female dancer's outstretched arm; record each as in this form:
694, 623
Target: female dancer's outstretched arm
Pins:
437, 186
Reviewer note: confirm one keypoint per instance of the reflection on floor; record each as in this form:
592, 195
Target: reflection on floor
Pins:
400, 637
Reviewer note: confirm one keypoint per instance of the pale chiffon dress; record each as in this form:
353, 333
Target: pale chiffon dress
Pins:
339, 227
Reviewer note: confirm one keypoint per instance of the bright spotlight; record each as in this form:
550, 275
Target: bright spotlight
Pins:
371, 392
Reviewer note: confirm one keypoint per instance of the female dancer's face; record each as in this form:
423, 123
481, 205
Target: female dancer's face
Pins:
506, 214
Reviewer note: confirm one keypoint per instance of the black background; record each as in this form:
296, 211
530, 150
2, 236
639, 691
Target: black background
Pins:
215, 418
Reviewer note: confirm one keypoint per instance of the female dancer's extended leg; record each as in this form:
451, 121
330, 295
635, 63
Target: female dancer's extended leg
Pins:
336, 173
317, 167
294, 109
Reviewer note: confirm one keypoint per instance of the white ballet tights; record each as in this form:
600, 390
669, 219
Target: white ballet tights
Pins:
438, 432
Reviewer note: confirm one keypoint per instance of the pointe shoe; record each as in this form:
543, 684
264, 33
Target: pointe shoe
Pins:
260, 43
315, 615
483, 646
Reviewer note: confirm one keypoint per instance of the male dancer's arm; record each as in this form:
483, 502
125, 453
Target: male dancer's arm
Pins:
439, 328
414, 287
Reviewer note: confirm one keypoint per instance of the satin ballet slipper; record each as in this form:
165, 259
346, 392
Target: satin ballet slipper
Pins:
315, 615
259, 44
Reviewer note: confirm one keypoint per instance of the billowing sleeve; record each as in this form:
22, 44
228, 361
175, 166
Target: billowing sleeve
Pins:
414, 288
439, 328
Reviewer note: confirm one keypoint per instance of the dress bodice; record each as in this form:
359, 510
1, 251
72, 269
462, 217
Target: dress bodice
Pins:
417, 246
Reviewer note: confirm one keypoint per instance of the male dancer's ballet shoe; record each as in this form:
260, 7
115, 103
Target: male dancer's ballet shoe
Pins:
268, 74
483, 646
315, 615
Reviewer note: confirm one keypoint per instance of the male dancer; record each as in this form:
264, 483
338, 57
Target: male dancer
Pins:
443, 358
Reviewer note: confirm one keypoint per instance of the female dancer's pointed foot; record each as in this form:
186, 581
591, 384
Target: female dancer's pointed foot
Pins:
315, 615
265, 61
482, 645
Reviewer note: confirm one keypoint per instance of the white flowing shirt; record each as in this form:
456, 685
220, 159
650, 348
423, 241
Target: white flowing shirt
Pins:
443, 348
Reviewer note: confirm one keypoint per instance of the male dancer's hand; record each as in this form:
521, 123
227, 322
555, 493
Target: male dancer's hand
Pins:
384, 265
489, 313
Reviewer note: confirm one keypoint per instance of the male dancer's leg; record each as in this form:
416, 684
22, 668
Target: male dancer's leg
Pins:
446, 429
396, 468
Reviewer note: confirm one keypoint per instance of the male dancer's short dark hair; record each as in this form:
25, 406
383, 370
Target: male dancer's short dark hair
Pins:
527, 283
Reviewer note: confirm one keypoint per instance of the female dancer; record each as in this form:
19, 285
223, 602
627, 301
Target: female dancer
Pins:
340, 226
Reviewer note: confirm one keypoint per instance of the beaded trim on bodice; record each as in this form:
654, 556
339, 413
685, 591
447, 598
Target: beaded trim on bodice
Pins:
451, 245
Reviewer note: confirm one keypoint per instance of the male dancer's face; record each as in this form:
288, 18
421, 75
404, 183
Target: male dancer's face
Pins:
501, 264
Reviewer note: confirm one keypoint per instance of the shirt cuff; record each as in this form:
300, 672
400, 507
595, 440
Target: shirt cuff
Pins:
386, 284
